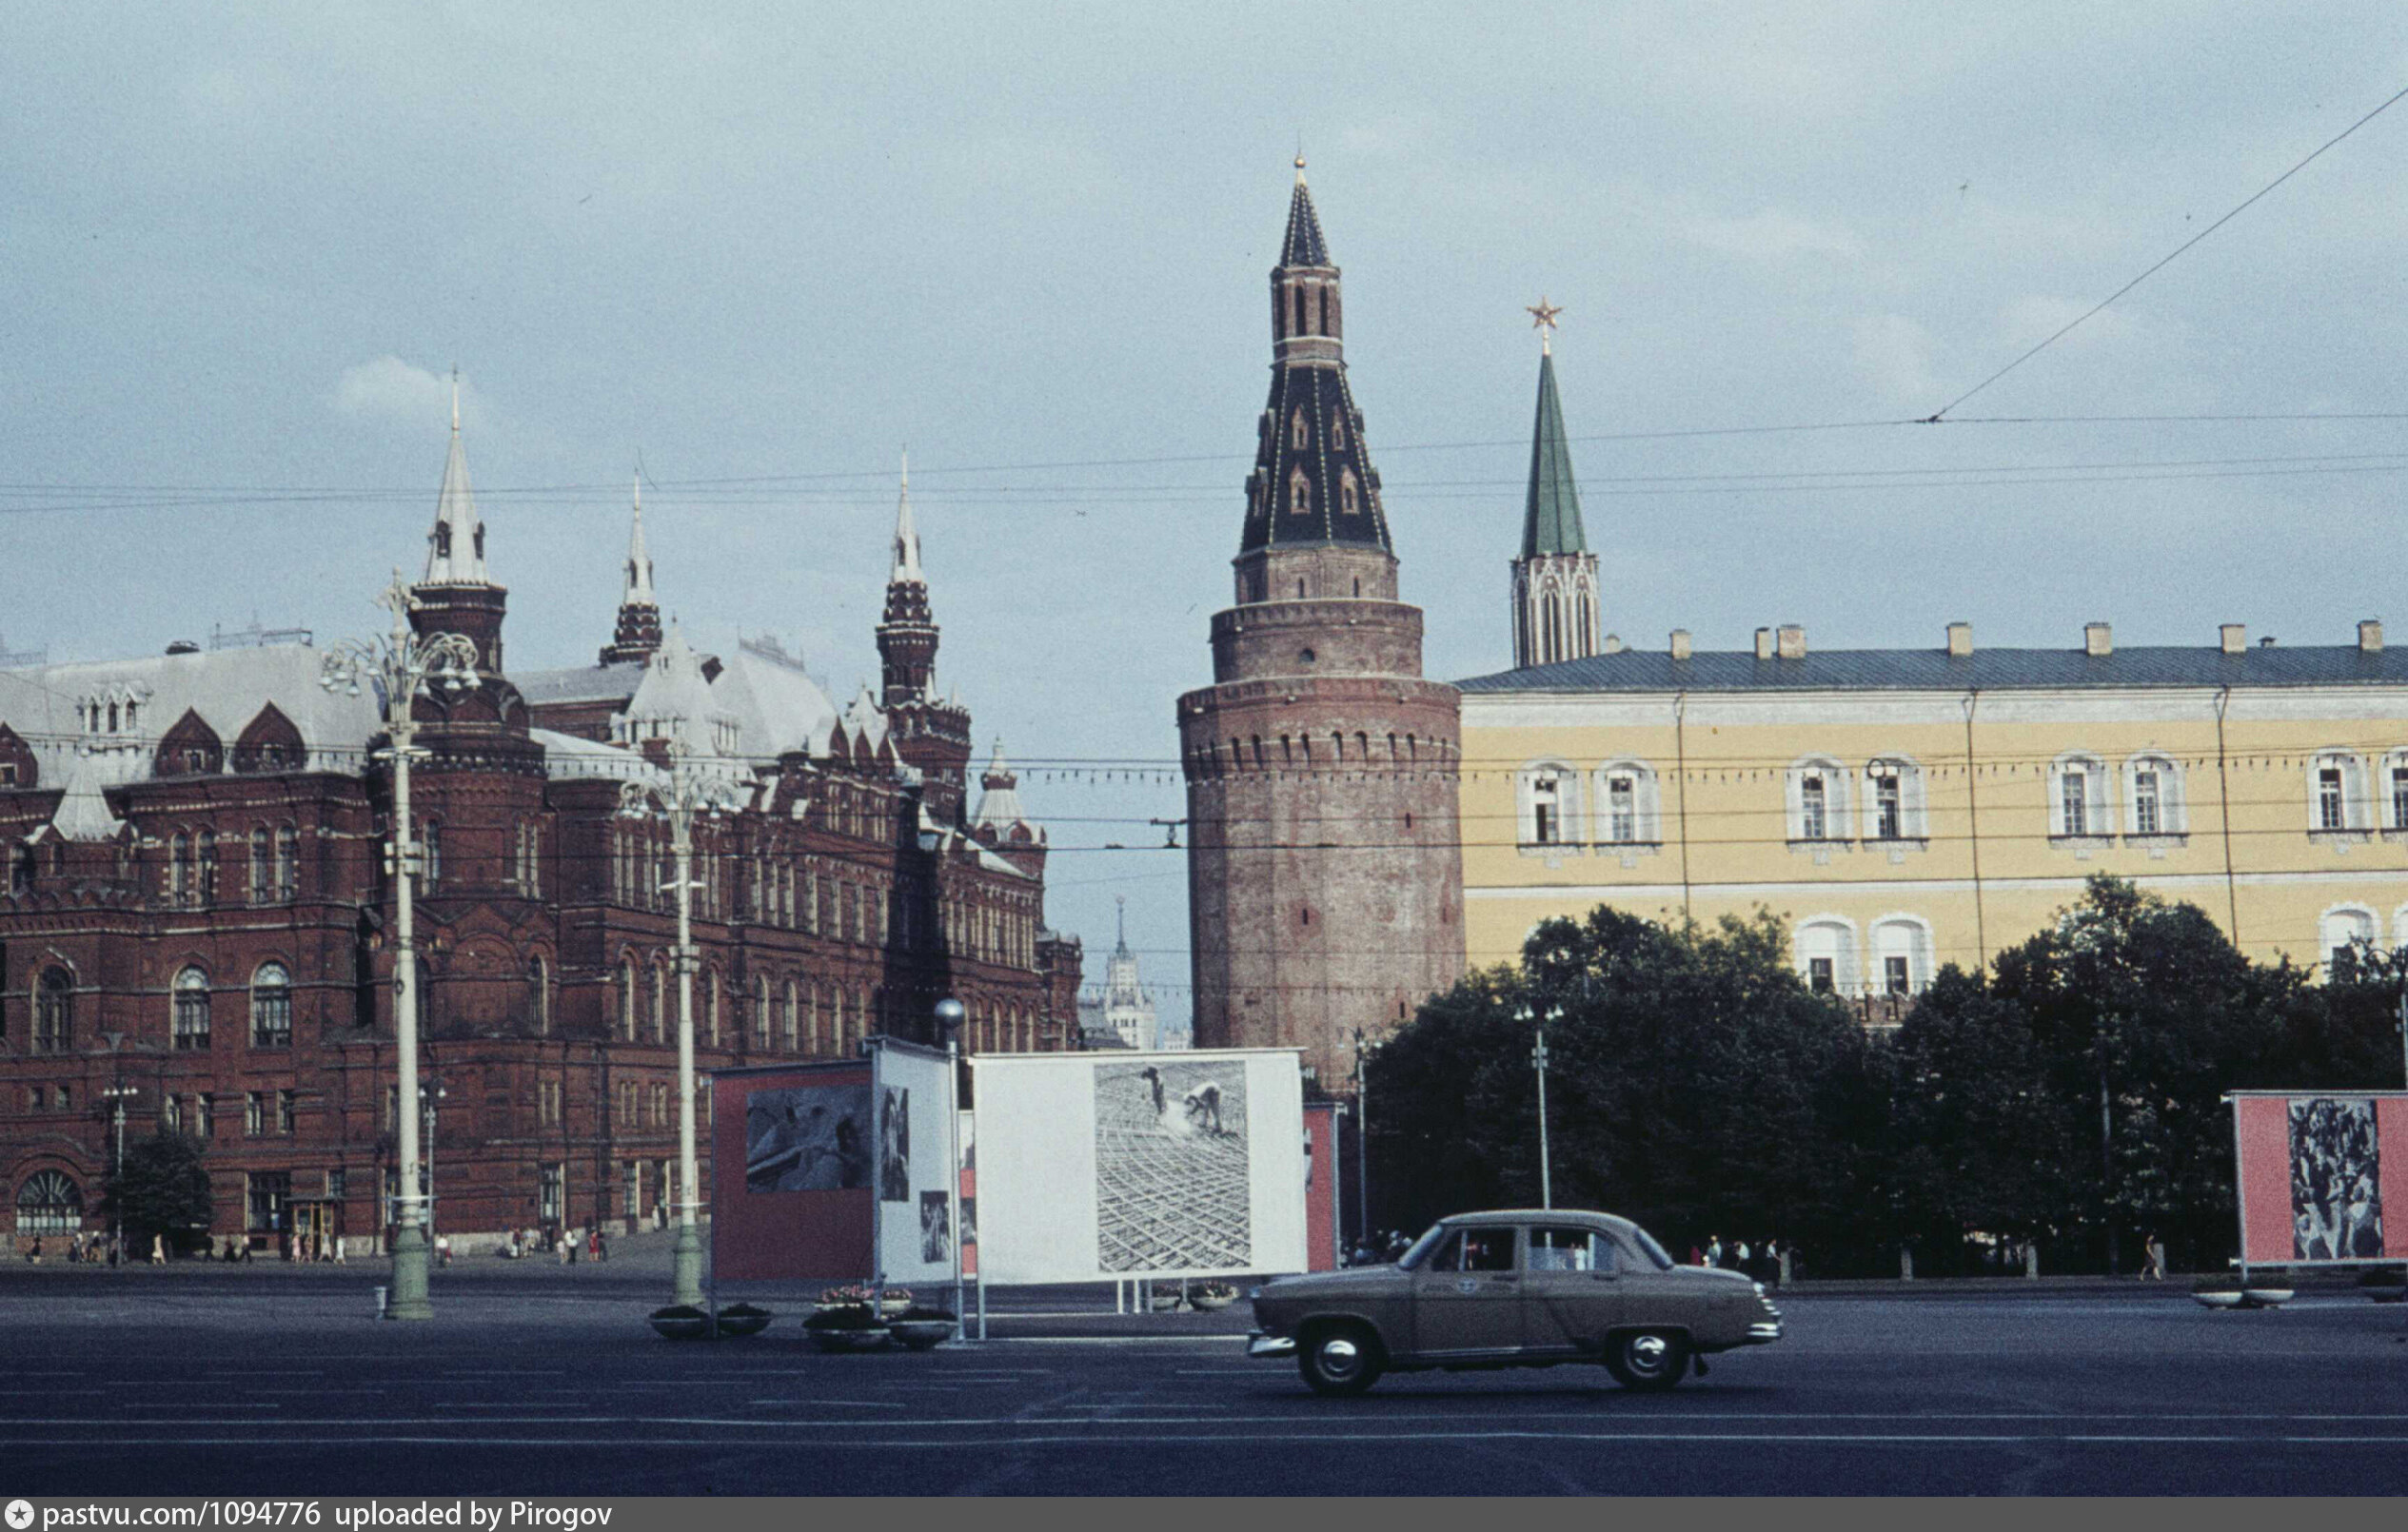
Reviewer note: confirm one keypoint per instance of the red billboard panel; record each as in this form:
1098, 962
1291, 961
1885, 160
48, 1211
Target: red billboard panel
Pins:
2322, 1177
792, 1159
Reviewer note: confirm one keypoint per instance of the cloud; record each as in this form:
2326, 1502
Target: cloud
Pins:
1895, 354
1771, 235
2032, 319
391, 389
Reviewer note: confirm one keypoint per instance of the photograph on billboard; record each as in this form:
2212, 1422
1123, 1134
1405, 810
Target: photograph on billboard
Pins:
2337, 1204
935, 1227
1171, 1170
895, 1147
807, 1138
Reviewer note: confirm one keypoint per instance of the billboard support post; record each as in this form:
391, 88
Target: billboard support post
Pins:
2241, 1193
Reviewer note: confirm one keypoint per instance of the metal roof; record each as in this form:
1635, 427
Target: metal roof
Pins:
1936, 670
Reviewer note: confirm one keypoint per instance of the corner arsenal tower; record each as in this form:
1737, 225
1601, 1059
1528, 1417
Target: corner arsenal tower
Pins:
1325, 875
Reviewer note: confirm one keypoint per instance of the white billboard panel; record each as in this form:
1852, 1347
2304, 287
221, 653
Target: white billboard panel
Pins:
911, 1177
1126, 1163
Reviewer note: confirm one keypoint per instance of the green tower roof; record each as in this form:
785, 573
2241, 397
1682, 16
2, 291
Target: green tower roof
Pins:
1550, 518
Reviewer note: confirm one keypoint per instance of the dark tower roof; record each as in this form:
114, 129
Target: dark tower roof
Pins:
1551, 517
1312, 482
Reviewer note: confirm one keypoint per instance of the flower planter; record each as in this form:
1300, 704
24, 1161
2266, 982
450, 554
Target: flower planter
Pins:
1208, 1301
739, 1320
682, 1322
921, 1334
2264, 1297
868, 1338
2226, 1298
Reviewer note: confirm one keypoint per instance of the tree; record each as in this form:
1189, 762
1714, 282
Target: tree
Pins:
161, 1190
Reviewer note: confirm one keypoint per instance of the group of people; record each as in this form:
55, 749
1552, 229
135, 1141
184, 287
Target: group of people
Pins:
1378, 1248
567, 1246
110, 1249
1761, 1260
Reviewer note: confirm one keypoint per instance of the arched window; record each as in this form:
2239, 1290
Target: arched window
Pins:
2079, 806
1902, 954
48, 1203
180, 870
1348, 501
1548, 796
287, 863
2337, 800
2395, 790
2154, 802
1299, 496
189, 1020
1629, 804
1817, 801
1894, 799
539, 997
1300, 435
431, 854
627, 998
54, 1012
760, 1011
205, 853
791, 1022
2339, 934
1338, 430
263, 867
710, 1005
659, 1003
271, 1007
1825, 954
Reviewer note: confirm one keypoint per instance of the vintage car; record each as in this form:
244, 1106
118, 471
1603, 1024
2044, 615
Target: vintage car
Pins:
1512, 1289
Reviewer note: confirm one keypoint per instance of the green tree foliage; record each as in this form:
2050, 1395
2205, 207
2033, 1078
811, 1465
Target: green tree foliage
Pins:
1694, 1084
162, 1189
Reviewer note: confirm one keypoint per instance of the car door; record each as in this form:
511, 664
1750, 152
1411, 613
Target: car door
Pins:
1571, 1287
1467, 1296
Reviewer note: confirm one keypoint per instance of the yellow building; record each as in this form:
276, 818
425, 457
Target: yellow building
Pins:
1904, 808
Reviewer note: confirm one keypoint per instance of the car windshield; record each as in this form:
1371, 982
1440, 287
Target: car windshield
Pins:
1413, 1257
1648, 1247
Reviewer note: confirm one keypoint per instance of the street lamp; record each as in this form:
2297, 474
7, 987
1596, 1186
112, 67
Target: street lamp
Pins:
1363, 1136
117, 1095
429, 1098
1538, 1062
399, 668
688, 792
950, 1014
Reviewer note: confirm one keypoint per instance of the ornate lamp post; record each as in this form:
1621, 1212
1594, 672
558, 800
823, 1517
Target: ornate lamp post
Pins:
1538, 1062
688, 792
400, 667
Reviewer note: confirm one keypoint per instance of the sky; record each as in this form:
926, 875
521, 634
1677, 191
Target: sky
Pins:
761, 250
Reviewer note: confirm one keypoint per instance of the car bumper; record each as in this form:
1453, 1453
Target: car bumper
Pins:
1764, 1332
1261, 1345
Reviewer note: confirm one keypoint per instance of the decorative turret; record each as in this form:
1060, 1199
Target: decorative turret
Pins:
637, 634
1313, 492
1001, 824
931, 734
457, 594
1555, 578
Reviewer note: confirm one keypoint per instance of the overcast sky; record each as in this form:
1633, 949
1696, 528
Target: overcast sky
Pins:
768, 248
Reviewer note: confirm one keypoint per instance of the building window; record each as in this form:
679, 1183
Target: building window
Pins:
430, 856
1889, 804
1894, 975
205, 1117
2329, 810
271, 1007
1825, 954
792, 1020
263, 867
659, 1005
547, 1103
266, 1195
1903, 947
1815, 822
1348, 502
286, 1113
170, 1113
760, 1012
627, 998
2400, 797
551, 1184
54, 1012
2153, 786
2337, 788
49, 1203
2346, 932
2074, 797
189, 1010
287, 863
1299, 499
2146, 818
2078, 798
205, 890
338, 1184
254, 1114
1549, 793
539, 997
1300, 435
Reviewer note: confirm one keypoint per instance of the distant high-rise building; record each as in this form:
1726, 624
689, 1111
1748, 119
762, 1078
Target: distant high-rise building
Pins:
1123, 1014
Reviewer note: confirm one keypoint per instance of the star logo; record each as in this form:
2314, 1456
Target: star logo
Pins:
20, 1515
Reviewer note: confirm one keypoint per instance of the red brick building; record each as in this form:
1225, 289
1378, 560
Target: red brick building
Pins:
196, 905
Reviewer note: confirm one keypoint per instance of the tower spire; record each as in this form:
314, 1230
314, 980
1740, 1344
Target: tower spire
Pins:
637, 635
456, 547
906, 532
1555, 595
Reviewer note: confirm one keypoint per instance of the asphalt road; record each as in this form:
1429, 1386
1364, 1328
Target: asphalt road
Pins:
210, 1381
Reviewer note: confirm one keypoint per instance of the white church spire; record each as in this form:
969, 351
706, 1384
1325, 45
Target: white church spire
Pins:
906, 534
456, 547
639, 586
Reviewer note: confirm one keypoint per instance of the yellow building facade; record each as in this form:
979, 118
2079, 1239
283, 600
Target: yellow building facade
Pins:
1901, 810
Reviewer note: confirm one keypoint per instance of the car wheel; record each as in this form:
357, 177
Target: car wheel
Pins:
1341, 1360
1647, 1359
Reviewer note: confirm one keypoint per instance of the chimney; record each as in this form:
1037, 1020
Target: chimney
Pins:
2235, 636
1764, 643
1680, 643
1613, 644
1960, 639
1792, 641
2370, 638
2098, 639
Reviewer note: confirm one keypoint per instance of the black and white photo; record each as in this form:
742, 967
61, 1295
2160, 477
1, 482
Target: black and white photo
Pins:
2336, 1208
935, 1227
895, 1146
1171, 1166
807, 1138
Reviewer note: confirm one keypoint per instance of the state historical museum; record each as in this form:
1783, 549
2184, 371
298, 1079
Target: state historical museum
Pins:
197, 899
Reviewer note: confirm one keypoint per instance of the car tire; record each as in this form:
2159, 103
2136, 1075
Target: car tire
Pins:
1647, 1361
1339, 1360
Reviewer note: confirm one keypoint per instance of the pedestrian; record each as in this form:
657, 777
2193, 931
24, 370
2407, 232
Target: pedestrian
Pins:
601, 1245
1741, 1255
2153, 1264
158, 1250
116, 1252
1713, 1250
574, 1244
1697, 1257
443, 1249
337, 1242
33, 1256
1397, 1245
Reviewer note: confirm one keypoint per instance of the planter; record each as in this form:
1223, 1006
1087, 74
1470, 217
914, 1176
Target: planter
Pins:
1208, 1302
2386, 1295
738, 1320
921, 1334
873, 1338
2228, 1298
682, 1322
1168, 1305
2265, 1297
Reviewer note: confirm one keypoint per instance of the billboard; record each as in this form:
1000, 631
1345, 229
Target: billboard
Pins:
794, 1154
1126, 1163
916, 1214
2316, 1173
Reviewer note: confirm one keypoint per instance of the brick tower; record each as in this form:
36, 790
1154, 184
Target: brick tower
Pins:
1325, 880
931, 734
638, 633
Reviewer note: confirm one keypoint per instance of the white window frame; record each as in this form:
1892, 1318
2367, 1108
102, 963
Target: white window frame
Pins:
1900, 935
2394, 822
1570, 828
2098, 800
1647, 805
2337, 925
1913, 826
2173, 799
1832, 936
1837, 801
2357, 819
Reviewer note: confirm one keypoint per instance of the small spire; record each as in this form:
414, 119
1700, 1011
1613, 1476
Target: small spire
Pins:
1299, 159
906, 534
1120, 901
638, 588
455, 549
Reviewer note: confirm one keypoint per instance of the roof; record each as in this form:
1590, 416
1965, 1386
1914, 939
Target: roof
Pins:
1302, 246
1551, 514
456, 548
614, 682
1538, 1215
1936, 670
569, 755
